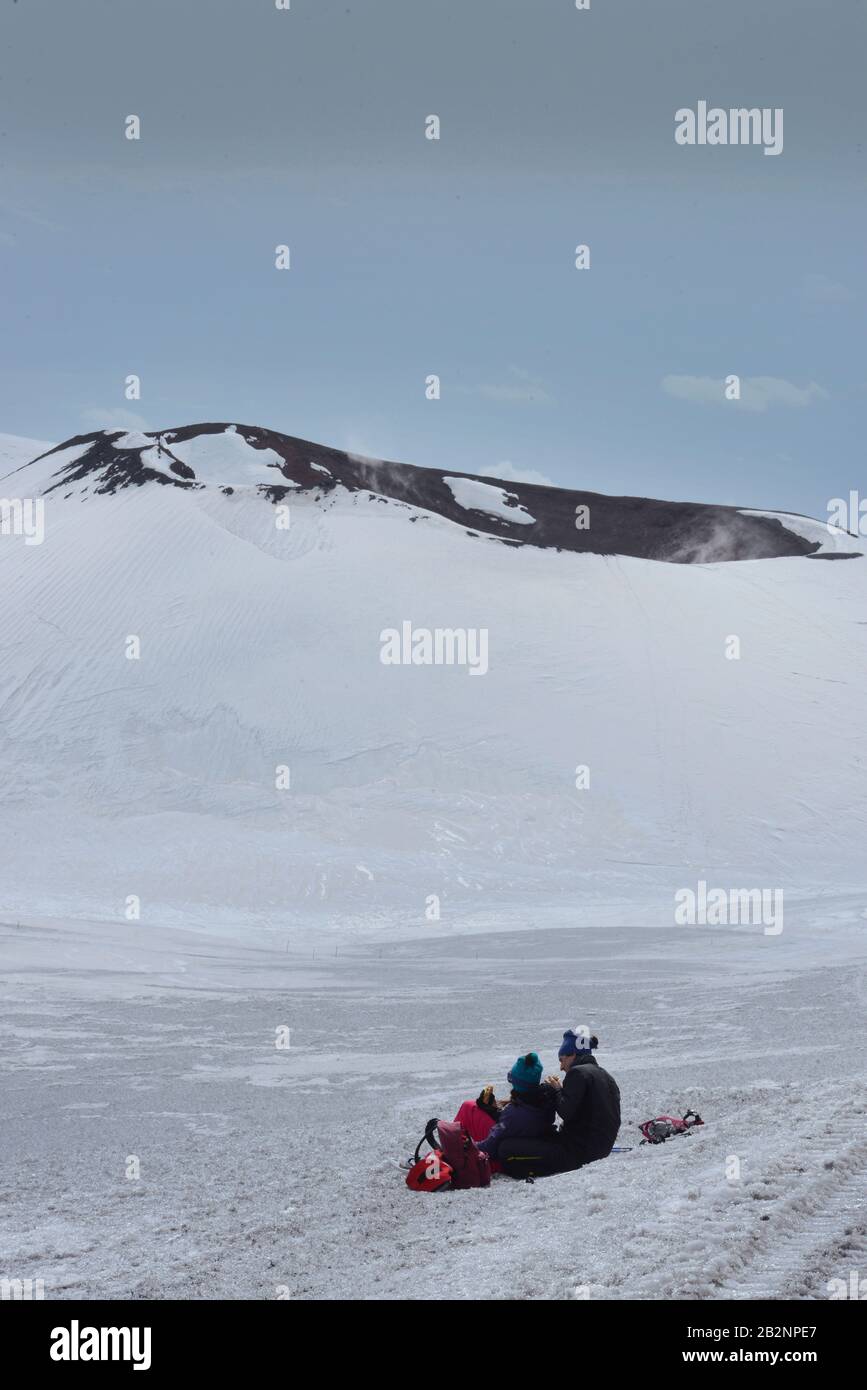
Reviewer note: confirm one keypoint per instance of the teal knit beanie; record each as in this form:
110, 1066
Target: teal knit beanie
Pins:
526, 1073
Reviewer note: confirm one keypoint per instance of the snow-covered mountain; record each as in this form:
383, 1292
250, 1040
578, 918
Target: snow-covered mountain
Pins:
237, 456
196, 708
15, 452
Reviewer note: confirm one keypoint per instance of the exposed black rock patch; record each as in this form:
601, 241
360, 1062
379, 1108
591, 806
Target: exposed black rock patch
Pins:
837, 555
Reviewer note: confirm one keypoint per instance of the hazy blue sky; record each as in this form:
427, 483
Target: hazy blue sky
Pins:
453, 257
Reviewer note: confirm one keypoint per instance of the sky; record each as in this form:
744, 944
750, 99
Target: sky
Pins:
411, 257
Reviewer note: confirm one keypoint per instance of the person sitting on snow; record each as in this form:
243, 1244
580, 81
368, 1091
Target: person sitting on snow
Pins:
588, 1103
478, 1117
529, 1114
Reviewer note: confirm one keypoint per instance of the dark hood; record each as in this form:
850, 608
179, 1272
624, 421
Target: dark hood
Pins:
540, 1098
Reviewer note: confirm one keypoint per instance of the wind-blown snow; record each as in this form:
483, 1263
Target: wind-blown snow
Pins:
831, 539
484, 497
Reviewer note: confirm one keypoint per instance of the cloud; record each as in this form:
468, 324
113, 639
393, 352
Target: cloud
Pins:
758, 393
820, 289
113, 419
521, 389
510, 474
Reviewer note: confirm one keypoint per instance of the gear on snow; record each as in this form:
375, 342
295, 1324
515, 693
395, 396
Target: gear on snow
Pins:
667, 1126
454, 1161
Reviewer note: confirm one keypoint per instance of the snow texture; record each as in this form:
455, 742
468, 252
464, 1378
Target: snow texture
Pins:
15, 452
484, 497
831, 539
267, 1169
227, 458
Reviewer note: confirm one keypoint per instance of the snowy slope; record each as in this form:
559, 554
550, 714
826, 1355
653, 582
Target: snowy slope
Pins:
160, 1043
15, 452
307, 907
260, 650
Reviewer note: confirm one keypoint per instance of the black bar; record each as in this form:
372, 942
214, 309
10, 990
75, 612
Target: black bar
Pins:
653, 1338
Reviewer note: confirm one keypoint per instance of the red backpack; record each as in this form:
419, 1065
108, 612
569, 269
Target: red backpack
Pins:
454, 1160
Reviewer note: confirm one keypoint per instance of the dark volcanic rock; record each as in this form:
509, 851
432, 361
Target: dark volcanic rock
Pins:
678, 532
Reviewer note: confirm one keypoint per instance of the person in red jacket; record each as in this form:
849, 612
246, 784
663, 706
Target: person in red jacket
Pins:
478, 1117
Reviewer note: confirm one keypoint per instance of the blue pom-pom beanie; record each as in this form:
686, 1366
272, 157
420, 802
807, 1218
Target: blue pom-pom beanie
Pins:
574, 1043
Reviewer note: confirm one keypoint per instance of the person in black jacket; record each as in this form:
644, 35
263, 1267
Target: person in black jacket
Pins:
588, 1103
